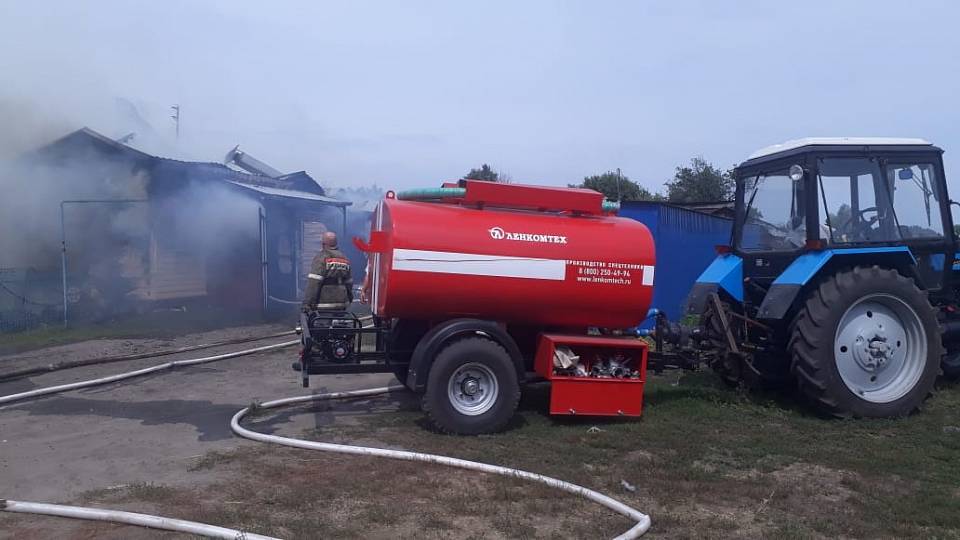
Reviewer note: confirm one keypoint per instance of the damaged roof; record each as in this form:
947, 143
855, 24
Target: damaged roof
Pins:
84, 139
297, 185
291, 194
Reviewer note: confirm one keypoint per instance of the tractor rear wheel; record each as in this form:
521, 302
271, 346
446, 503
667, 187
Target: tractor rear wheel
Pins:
867, 344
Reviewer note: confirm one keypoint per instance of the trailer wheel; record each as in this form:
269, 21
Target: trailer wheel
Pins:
472, 388
867, 344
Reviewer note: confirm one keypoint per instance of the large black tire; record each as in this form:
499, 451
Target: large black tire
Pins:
818, 339
482, 360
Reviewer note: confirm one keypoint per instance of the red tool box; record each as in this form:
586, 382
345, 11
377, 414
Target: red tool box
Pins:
597, 396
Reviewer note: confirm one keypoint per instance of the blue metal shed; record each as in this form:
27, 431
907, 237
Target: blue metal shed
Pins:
685, 241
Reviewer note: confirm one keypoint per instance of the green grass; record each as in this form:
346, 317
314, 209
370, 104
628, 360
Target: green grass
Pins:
707, 462
764, 457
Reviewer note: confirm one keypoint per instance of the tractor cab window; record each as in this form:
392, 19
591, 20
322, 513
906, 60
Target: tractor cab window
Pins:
774, 210
915, 199
862, 202
854, 205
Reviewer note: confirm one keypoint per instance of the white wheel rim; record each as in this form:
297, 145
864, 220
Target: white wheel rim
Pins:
880, 348
473, 389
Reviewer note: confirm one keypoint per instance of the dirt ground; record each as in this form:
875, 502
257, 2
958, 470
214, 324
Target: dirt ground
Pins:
146, 430
704, 462
100, 348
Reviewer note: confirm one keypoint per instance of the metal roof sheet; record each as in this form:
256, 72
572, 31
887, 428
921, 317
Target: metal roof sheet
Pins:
291, 194
838, 141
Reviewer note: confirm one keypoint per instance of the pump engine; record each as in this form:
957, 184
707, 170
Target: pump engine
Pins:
334, 334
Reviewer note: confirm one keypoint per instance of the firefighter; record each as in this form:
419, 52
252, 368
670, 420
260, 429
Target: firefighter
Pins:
329, 280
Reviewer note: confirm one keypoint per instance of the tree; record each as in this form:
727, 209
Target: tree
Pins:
700, 182
618, 188
484, 173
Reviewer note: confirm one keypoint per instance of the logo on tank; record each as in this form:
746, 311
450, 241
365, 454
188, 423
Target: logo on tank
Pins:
497, 233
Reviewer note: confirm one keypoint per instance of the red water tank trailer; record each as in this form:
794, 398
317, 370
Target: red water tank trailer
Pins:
476, 284
550, 257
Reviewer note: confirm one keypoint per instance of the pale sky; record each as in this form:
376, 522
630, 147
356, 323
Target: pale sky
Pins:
410, 93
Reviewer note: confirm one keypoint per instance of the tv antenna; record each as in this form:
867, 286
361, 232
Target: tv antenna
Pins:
176, 117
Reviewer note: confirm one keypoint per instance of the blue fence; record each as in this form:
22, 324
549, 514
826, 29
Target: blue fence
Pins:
685, 242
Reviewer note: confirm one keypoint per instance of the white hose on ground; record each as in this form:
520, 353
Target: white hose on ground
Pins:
116, 516
130, 518
643, 520
130, 374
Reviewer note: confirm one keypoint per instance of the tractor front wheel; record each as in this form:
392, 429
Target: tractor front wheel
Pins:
867, 344
754, 370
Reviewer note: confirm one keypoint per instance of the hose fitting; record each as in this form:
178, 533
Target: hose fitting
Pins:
427, 194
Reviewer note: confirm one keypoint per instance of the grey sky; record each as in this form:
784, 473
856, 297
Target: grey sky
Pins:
413, 93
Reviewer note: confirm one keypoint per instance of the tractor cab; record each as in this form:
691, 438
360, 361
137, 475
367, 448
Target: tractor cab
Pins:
827, 232
843, 194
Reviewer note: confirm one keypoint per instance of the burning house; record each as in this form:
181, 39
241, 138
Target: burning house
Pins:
97, 228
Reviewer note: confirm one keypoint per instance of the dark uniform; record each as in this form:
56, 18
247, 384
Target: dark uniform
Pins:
329, 280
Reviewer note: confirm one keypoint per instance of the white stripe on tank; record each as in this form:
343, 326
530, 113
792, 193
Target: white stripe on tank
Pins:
443, 262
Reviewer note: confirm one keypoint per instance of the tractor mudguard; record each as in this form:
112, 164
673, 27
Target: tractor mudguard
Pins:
785, 289
439, 336
725, 273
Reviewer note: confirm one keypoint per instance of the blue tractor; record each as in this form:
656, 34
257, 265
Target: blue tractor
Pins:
841, 276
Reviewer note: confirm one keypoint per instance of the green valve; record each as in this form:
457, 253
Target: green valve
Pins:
611, 206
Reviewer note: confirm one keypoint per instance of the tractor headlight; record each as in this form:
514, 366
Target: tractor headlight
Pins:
796, 173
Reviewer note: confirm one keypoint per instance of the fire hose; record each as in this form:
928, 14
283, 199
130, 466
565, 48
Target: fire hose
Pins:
131, 374
157, 522
129, 518
643, 520
18, 374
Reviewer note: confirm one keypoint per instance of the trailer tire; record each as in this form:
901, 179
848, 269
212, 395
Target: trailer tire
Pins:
844, 358
472, 388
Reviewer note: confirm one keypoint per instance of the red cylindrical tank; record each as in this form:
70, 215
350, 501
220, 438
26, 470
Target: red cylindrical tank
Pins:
441, 260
